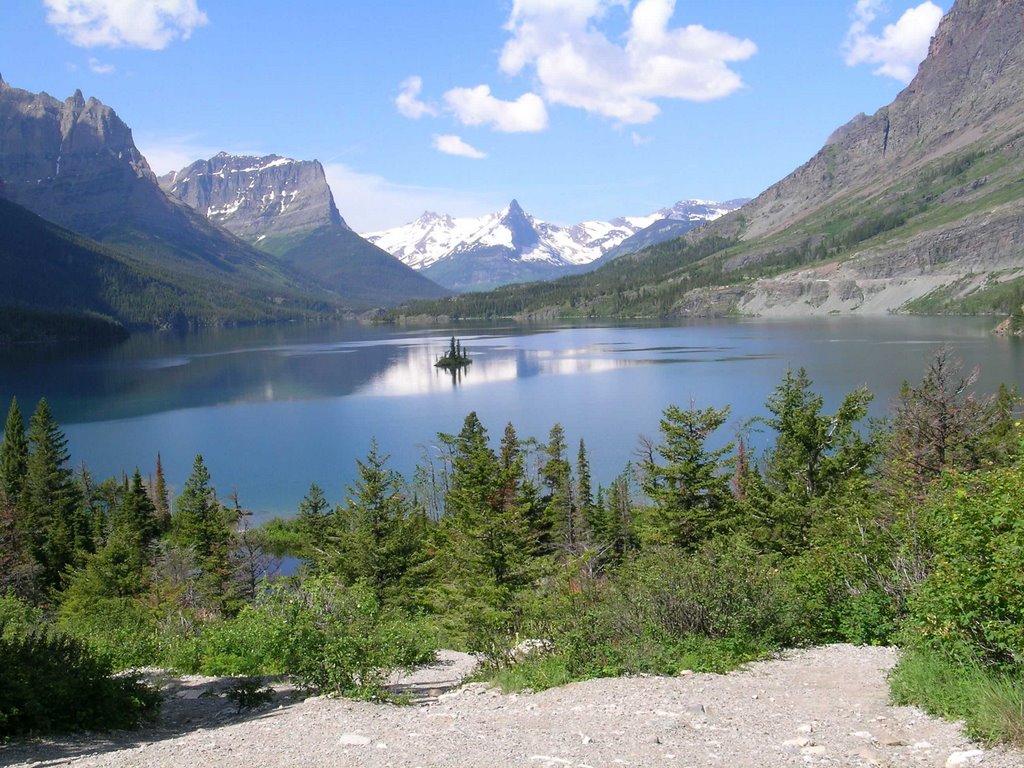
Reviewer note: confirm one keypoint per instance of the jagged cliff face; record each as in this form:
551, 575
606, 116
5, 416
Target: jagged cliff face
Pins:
256, 197
947, 157
73, 162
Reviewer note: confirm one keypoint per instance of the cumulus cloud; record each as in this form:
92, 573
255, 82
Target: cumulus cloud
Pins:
408, 99
454, 145
476, 106
576, 63
151, 24
900, 48
99, 68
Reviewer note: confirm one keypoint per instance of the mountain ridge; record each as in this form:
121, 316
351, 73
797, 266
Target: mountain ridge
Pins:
510, 245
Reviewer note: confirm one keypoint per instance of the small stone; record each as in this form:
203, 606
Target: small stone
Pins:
802, 741
696, 709
806, 728
967, 757
354, 740
685, 672
892, 741
922, 745
863, 735
813, 750
585, 738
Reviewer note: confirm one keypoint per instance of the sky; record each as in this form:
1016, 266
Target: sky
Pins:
579, 109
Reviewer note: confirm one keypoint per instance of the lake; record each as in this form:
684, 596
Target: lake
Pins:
273, 409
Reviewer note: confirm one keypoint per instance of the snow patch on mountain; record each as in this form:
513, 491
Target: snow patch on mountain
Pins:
434, 237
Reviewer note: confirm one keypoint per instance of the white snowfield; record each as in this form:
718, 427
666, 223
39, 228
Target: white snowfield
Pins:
433, 237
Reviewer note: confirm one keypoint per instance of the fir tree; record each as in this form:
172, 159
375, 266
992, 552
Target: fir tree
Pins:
13, 455
313, 523
201, 523
691, 495
160, 498
58, 530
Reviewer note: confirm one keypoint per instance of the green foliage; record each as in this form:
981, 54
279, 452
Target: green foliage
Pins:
13, 455
121, 631
50, 682
691, 494
972, 605
990, 703
57, 531
339, 639
249, 693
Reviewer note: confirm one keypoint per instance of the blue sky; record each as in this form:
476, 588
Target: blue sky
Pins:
577, 108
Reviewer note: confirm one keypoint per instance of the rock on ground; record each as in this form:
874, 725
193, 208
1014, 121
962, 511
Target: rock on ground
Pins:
823, 706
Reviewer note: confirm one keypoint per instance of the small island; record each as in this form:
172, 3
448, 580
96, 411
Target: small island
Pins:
455, 358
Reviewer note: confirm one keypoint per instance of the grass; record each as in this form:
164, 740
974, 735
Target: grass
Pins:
990, 703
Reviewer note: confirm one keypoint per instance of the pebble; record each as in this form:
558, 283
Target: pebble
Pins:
354, 740
967, 757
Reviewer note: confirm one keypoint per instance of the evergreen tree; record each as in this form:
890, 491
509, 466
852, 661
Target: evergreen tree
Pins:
313, 523
815, 455
690, 491
160, 498
568, 532
384, 541
135, 517
13, 455
56, 526
201, 523
584, 489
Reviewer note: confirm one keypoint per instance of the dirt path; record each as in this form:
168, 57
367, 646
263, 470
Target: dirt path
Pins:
823, 706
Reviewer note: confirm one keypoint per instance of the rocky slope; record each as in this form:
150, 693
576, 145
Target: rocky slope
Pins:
822, 706
254, 197
512, 246
285, 208
923, 198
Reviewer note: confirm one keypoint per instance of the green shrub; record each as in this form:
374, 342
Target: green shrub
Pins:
51, 682
340, 640
17, 618
972, 605
121, 630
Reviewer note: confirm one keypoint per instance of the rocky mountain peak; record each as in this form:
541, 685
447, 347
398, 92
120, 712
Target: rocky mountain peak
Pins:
256, 197
71, 161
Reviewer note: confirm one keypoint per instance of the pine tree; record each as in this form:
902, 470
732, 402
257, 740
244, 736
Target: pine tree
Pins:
691, 495
568, 534
313, 523
201, 523
160, 499
58, 530
384, 538
13, 455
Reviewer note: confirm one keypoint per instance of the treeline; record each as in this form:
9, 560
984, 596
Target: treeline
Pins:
700, 555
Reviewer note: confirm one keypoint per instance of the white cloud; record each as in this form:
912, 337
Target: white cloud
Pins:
454, 145
900, 48
408, 101
639, 140
578, 65
99, 68
151, 24
476, 106
371, 203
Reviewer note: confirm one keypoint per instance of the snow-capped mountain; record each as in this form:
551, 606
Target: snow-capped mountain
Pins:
512, 246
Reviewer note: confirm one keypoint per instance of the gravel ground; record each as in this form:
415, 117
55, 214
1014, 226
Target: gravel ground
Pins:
823, 706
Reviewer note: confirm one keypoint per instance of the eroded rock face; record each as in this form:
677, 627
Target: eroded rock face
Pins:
73, 161
968, 88
256, 197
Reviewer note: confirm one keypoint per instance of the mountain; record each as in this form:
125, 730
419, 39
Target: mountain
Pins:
916, 208
511, 246
285, 208
59, 284
75, 164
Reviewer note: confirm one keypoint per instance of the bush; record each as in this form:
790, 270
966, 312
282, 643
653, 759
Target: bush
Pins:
971, 607
52, 682
340, 640
120, 630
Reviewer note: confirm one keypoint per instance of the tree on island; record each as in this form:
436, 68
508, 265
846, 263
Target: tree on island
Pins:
457, 356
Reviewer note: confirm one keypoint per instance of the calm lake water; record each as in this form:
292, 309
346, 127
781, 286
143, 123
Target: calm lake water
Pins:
273, 409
